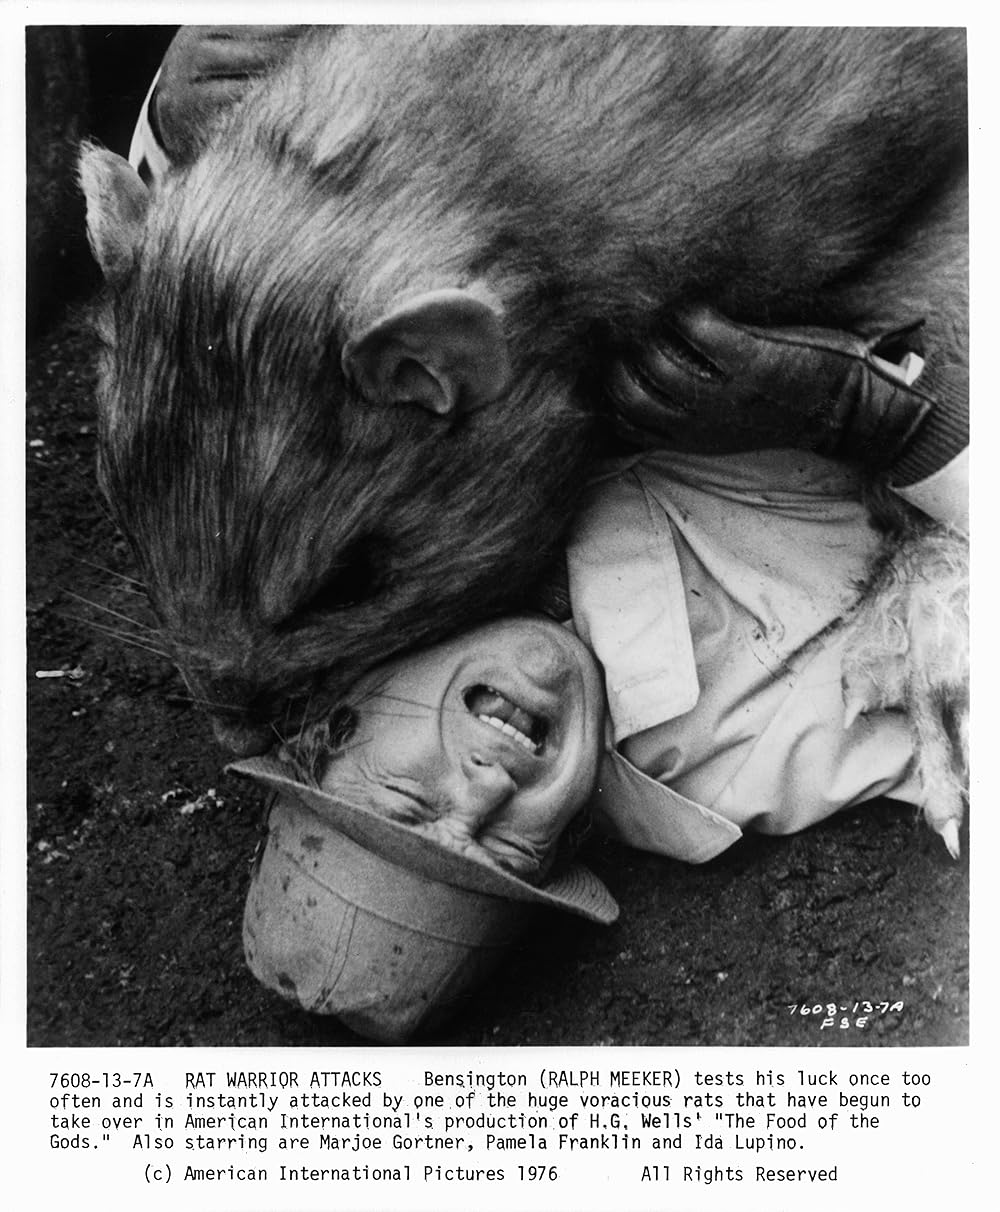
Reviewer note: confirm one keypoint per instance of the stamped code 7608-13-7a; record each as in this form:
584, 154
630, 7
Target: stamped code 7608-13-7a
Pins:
859, 1014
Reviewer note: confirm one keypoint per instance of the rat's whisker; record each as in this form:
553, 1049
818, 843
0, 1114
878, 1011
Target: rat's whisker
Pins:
111, 572
108, 610
398, 698
123, 636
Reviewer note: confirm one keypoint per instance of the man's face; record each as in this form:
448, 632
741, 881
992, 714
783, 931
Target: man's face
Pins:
488, 743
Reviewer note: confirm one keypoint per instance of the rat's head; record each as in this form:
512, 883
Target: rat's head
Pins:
307, 493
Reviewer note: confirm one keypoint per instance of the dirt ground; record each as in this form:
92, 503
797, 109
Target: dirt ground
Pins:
139, 847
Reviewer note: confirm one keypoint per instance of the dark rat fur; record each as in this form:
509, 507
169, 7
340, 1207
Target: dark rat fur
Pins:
312, 484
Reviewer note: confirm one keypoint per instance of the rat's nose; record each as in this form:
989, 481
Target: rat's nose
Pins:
243, 740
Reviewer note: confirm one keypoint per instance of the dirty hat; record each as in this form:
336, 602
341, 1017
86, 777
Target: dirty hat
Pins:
352, 914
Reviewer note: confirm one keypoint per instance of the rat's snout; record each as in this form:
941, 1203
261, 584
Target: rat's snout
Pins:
249, 719
242, 739
239, 724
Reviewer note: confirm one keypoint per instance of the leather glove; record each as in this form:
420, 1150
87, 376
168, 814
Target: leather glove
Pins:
723, 387
207, 68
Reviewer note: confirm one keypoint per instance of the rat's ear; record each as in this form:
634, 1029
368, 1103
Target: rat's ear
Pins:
444, 351
117, 202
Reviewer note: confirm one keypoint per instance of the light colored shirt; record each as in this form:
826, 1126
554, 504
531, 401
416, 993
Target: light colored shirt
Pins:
713, 591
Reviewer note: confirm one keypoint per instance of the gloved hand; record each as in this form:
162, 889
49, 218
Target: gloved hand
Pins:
207, 68
723, 387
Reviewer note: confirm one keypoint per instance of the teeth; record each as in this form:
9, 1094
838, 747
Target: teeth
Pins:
509, 730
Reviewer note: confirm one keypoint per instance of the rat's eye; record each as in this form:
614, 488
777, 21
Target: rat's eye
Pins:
350, 581
353, 579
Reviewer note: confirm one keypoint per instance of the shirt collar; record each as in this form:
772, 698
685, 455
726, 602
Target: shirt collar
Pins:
643, 813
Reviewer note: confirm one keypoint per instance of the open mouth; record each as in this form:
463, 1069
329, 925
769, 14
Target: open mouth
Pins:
486, 703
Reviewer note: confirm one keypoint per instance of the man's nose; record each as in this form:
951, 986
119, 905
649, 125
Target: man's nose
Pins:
485, 787
477, 789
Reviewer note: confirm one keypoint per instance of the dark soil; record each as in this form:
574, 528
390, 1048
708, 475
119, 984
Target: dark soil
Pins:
139, 848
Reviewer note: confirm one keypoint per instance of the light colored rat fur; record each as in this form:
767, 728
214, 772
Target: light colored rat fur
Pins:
908, 650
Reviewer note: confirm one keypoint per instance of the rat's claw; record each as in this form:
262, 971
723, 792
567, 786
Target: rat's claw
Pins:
949, 835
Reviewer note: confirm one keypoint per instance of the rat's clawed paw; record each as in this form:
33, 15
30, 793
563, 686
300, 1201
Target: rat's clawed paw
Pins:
909, 650
949, 834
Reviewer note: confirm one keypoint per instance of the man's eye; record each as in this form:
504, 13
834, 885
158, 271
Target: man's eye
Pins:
410, 807
516, 855
341, 726
404, 812
406, 815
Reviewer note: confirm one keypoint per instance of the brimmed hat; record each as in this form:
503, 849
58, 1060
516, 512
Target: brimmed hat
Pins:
350, 913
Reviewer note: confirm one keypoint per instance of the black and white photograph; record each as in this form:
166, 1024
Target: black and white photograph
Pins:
496, 536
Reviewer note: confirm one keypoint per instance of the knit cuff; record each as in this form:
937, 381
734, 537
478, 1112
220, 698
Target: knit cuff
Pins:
943, 435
